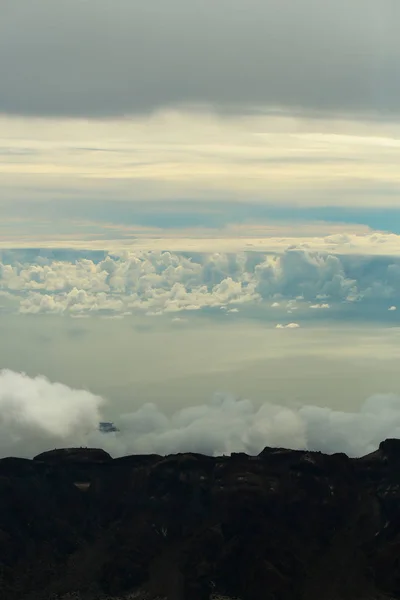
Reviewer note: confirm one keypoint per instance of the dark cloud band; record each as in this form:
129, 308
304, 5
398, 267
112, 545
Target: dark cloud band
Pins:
98, 58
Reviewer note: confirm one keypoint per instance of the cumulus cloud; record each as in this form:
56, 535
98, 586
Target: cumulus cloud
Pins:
38, 415
288, 326
392, 308
164, 282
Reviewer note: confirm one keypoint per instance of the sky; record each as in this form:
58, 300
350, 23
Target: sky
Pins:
199, 224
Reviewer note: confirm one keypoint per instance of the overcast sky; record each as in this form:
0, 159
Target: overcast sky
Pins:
275, 102
112, 58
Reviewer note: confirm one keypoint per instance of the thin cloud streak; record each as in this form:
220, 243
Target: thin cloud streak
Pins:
202, 157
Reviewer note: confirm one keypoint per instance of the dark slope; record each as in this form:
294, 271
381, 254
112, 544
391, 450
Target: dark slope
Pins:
280, 526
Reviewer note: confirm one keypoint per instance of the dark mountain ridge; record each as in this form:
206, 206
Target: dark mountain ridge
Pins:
283, 525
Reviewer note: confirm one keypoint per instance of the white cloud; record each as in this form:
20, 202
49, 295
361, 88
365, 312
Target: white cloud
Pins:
159, 282
392, 308
234, 240
323, 305
288, 326
37, 415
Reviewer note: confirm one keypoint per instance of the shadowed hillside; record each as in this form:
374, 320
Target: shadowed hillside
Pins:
285, 524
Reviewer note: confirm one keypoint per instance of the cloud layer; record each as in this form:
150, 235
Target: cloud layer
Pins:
186, 161
38, 415
159, 282
93, 58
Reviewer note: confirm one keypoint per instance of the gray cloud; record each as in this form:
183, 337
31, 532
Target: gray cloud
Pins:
99, 58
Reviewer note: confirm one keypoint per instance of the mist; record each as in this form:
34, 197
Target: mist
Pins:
37, 415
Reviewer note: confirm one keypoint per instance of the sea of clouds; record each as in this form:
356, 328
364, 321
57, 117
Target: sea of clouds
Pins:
37, 415
159, 282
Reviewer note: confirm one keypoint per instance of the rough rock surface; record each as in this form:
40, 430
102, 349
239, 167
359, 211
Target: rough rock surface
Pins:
283, 525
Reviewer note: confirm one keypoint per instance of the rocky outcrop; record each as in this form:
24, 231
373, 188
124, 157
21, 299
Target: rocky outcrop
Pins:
74, 455
283, 525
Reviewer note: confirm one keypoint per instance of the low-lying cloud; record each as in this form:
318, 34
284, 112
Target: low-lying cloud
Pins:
38, 415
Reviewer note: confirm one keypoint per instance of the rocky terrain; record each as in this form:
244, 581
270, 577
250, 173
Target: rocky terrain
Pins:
283, 525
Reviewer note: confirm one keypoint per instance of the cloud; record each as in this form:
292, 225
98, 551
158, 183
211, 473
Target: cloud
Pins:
345, 243
163, 282
288, 326
392, 308
323, 305
104, 175
157, 282
38, 415
35, 413
179, 320
342, 58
